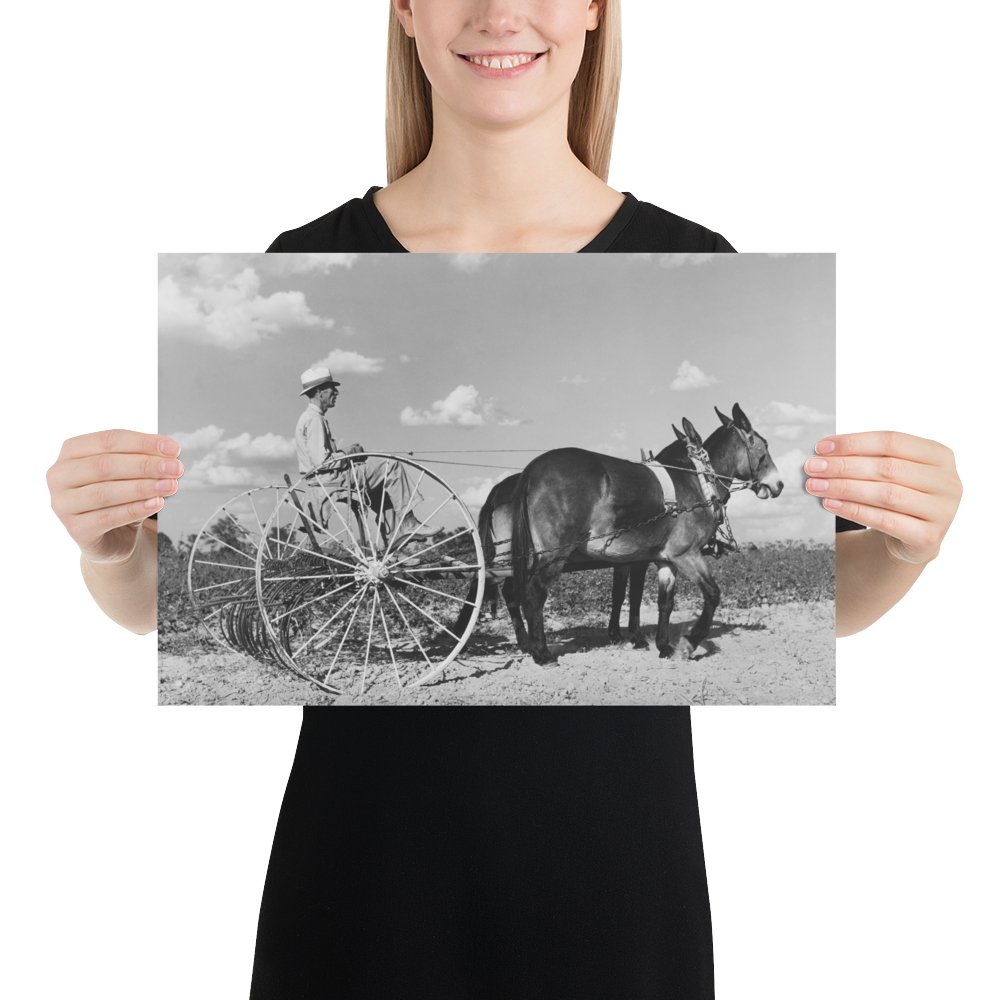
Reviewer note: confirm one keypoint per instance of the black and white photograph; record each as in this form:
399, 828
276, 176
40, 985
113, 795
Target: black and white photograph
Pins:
494, 479
473, 849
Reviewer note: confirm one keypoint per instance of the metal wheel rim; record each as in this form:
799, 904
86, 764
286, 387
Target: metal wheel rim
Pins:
378, 596
210, 608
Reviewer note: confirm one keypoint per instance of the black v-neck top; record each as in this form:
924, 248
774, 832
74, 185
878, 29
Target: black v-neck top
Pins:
489, 852
637, 227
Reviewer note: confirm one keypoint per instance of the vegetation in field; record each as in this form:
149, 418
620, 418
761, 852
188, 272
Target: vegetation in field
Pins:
772, 573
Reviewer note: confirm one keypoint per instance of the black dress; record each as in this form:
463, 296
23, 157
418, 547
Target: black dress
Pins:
472, 853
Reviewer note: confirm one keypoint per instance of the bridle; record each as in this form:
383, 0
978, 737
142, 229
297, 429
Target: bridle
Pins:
753, 482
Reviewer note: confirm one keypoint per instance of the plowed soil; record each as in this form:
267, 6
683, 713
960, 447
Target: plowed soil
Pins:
777, 654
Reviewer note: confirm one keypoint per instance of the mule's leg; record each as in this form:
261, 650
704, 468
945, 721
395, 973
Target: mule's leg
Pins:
636, 585
520, 632
489, 594
668, 583
617, 600
695, 568
534, 602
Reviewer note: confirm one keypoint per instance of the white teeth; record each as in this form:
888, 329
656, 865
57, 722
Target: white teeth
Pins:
496, 62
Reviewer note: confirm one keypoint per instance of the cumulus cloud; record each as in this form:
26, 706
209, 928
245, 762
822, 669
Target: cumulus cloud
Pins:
405, 359
264, 447
690, 376
476, 493
342, 362
672, 260
464, 406
795, 412
794, 515
176, 310
228, 310
306, 263
789, 465
209, 473
574, 380
199, 440
217, 268
787, 421
469, 263
784, 432
240, 461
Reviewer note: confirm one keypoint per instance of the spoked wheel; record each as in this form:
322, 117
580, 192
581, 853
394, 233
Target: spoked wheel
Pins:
354, 593
222, 569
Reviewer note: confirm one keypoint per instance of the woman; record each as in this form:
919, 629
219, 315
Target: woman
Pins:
508, 852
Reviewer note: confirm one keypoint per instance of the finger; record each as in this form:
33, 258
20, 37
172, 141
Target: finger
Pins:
120, 441
886, 496
914, 532
98, 496
895, 443
881, 469
89, 528
107, 467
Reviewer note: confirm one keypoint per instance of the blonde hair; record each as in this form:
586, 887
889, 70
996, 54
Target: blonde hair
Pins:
593, 99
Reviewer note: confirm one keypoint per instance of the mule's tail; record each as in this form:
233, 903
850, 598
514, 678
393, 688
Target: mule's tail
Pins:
521, 549
485, 526
486, 529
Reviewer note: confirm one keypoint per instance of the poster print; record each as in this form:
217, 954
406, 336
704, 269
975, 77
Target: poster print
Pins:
496, 479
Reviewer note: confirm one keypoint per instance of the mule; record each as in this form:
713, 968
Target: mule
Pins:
494, 528
575, 503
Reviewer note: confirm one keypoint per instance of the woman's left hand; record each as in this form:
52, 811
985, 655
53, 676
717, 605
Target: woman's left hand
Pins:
906, 487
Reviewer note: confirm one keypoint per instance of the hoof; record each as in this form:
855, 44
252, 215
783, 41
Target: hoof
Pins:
615, 636
639, 641
683, 651
544, 659
665, 652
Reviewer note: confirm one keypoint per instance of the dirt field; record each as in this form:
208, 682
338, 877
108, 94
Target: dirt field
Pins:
775, 654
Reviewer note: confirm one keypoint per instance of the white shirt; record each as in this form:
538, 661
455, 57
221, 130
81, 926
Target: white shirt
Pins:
314, 444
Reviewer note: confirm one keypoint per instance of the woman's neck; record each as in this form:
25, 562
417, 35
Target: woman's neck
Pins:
498, 190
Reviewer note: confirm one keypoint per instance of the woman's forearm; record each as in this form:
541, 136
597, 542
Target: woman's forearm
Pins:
126, 591
870, 580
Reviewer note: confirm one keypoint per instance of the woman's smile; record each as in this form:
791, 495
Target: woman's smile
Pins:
500, 65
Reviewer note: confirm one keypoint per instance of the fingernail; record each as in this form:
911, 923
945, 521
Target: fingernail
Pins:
825, 447
169, 447
816, 465
832, 504
153, 502
817, 485
166, 486
170, 468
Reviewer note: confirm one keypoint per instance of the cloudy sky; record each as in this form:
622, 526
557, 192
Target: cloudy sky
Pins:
504, 351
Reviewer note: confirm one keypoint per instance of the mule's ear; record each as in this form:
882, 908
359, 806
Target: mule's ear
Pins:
693, 436
741, 419
725, 420
680, 436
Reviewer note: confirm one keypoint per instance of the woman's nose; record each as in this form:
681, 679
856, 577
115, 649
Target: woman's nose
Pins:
500, 17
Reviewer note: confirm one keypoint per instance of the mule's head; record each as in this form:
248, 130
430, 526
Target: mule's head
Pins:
747, 456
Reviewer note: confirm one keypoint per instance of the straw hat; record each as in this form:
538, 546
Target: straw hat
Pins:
312, 378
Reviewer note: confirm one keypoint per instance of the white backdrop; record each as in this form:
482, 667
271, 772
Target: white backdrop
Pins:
851, 851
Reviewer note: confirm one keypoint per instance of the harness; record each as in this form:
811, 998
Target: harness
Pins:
723, 540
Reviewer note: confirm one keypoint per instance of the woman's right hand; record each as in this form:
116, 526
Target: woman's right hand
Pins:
104, 485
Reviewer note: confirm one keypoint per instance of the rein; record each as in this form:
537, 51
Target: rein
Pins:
723, 538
